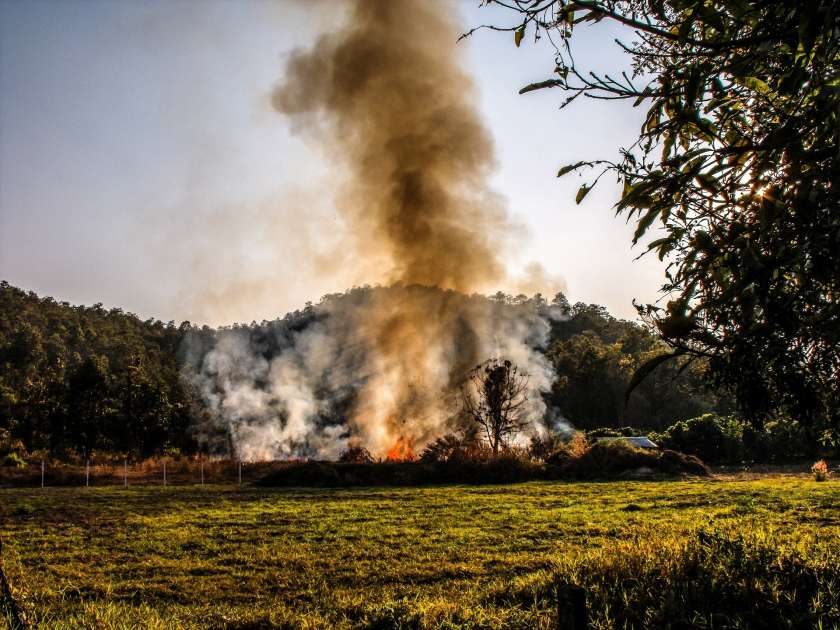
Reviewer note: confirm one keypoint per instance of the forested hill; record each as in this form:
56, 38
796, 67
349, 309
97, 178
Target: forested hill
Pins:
74, 379
78, 378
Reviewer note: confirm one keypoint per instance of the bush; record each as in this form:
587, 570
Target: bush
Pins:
604, 460
675, 463
356, 455
8, 444
728, 440
458, 459
601, 432
456, 447
599, 461
782, 439
569, 450
710, 437
820, 470
541, 447
13, 460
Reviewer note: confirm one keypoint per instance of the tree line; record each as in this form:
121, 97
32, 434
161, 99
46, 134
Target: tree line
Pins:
80, 379
75, 379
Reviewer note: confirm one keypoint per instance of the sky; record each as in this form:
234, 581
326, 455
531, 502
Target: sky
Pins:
142, 166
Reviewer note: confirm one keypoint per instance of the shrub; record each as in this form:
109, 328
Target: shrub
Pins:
725, 439
711, 437
593, 434
604, 460
608, 459
783, 439
13, 460
577, 445
571, 449
820, 470
541, 447
8, 444
675, 463
457, 447
356, 455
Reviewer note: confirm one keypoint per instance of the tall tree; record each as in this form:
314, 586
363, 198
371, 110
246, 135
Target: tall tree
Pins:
737, 162
89, 405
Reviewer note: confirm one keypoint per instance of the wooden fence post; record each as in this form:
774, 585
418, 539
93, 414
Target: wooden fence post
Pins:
571, 607
42, 473
125, 473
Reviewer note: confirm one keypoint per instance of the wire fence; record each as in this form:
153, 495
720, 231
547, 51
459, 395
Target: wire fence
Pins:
44, 473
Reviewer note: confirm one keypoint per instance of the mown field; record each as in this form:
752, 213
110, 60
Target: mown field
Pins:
758, 553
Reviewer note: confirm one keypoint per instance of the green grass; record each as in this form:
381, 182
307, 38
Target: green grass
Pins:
707, 553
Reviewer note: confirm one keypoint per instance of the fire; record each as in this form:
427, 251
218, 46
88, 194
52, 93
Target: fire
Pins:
401, 451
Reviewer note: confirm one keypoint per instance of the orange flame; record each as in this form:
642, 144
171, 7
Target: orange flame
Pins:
401, 451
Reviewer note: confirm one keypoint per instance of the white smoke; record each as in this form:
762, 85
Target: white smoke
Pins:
315, 382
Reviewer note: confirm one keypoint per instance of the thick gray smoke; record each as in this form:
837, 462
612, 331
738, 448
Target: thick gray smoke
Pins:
386, 100
313, 383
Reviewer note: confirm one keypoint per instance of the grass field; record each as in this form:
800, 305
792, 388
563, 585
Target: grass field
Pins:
685, 553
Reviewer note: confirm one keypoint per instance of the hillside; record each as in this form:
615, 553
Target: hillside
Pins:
77, 379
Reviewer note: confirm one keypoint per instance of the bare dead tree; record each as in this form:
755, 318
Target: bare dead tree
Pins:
495, 396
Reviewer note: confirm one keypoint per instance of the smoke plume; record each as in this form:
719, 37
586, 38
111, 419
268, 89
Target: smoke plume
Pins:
386, 100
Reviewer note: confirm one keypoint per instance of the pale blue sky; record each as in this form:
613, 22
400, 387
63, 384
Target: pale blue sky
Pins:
142, 166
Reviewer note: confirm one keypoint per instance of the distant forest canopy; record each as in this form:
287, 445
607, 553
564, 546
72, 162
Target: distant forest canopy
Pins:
77, 379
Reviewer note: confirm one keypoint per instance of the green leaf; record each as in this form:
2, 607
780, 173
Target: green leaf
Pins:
707, 182
542, 84
582, 192
518, 35
658, 242
569, 168
753, 83
664, 245
644, 223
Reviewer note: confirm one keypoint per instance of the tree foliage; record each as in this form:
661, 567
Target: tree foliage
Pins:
736, 164
595, 357
730, 440
79, 379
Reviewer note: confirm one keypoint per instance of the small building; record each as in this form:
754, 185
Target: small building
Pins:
637, 441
